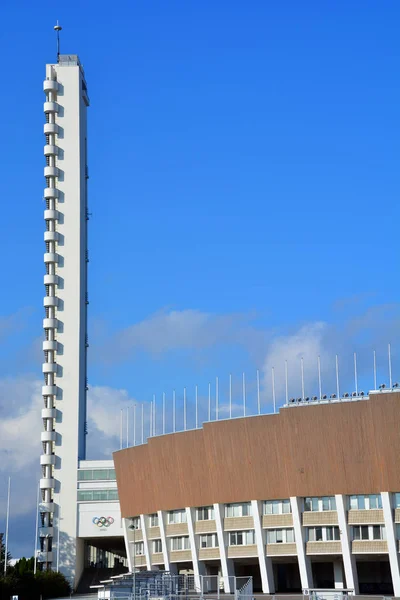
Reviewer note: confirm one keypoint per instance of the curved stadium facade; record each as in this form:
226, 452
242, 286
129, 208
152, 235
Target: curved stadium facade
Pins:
306, 498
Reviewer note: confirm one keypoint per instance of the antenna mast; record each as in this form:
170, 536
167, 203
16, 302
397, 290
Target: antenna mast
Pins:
58, 28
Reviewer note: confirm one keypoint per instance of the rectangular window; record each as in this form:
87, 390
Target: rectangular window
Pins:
375, 501
177, 516
209, 541
139, 549
241, 538
289, 536
135, 523
280, 536
157, 546
397, 500
379, 532
315, 534
97, 495
328, 503
276, 507
180, 543
238, 510
271, 536
205, 513
153, 520
332, 534
364, 532
96, 475
357, 502
311, 504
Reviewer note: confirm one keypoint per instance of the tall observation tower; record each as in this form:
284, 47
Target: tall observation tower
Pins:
65, 304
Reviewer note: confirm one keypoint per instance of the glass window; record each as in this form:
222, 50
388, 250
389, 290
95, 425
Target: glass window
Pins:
135, 523
398, 531
241, 538
357, 502
238, 510
208, 541
205, 513
139, 549
177, 516
279, 536
157, 546
97, 495
311, 504
332, 534
289, 535
364, 532
100, 495
153, 520
379, 532
375, 501
180, 543
397, 500
271, 536
328, 503
96, 474
277, 507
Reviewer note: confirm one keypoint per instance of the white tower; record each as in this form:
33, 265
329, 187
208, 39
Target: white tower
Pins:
65, 323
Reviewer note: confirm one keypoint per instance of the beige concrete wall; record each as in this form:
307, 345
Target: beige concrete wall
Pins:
273, 521
242, 551
366, 517
281, 549
157, 558
180, 556
175, 529
325, 517
238, 523
153, 533
208, 553
324, 548
369, 547
205, 526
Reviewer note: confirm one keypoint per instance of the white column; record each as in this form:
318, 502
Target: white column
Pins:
161, 522
227, 567
198, 567
127, 545
267, 575
304, 561
391, 541
145, 542
338, 574
349, 561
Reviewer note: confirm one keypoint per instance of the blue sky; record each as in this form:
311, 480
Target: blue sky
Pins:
244, 194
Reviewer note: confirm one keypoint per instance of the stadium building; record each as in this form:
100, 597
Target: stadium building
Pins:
308, 497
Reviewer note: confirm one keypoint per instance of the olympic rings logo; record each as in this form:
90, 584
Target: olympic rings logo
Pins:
103, 521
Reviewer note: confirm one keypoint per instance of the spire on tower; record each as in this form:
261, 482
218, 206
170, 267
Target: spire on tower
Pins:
58, 28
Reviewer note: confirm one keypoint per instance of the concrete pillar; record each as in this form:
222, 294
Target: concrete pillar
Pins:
299, 533
391, 541
349, 561
127, 545
267, 575
171, 567
147, 552
198, 567
227, 566
338, 574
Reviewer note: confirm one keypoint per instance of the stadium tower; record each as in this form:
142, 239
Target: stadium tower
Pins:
65, 304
